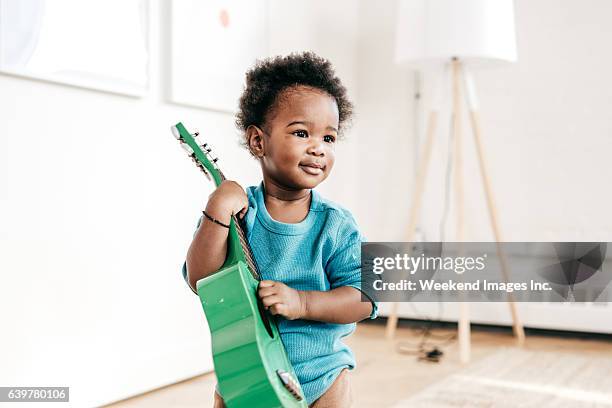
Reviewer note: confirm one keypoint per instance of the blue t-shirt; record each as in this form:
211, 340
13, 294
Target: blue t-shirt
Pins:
322, 252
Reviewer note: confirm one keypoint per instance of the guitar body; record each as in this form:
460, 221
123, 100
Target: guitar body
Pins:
246, 353
251, 364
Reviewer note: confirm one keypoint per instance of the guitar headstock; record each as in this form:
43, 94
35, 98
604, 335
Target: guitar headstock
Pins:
199, 151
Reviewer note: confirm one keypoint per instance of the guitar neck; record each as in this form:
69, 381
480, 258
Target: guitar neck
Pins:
238, 248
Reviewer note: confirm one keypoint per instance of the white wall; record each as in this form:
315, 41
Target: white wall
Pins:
384, 128
98, 207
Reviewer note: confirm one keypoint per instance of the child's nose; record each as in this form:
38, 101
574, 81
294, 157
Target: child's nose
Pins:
316, 147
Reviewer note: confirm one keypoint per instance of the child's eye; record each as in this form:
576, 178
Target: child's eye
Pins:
329, 138
300, 133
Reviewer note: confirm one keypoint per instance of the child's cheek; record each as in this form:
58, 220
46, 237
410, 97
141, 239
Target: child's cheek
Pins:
331, 160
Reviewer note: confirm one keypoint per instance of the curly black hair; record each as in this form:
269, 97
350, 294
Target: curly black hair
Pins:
271, 76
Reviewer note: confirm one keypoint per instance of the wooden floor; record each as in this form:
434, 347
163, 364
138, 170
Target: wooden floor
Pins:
383, 375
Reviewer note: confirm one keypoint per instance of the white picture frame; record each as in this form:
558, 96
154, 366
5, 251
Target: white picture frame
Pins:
95, 44
213, 44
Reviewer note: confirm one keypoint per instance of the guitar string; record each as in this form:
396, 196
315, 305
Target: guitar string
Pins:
247, 249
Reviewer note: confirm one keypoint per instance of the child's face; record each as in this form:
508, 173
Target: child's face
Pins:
299, 145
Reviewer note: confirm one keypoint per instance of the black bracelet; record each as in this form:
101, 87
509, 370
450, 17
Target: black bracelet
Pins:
215, 220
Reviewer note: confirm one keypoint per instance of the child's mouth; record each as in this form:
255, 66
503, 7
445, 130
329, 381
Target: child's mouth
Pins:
315, 171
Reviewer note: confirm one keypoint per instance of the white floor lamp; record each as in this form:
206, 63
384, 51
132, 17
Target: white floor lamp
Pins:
453, 37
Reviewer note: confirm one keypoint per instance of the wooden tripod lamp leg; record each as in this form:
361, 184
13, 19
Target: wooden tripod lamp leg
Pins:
517, 326
463, 323
415, 207
419, 185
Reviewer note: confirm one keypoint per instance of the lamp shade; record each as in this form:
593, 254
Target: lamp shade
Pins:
479, 32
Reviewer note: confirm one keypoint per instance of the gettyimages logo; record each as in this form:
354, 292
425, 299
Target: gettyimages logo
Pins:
412, 264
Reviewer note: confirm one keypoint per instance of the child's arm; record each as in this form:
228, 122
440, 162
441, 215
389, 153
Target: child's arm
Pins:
208, 249
340, 305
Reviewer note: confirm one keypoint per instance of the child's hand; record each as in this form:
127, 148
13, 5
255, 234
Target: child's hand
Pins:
229, 197
282, 300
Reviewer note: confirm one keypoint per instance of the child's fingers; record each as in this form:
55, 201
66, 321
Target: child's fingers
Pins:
271, 300
278, 309
267, 291
266, 283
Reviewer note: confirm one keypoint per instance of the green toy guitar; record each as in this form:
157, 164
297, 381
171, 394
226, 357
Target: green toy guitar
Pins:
250, 360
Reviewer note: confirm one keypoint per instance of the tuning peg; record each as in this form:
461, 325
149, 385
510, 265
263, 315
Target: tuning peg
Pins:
203, 145
197, 138
175, 132
187, 148
208, 146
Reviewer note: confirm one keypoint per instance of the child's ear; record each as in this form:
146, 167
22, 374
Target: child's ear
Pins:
255, 141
